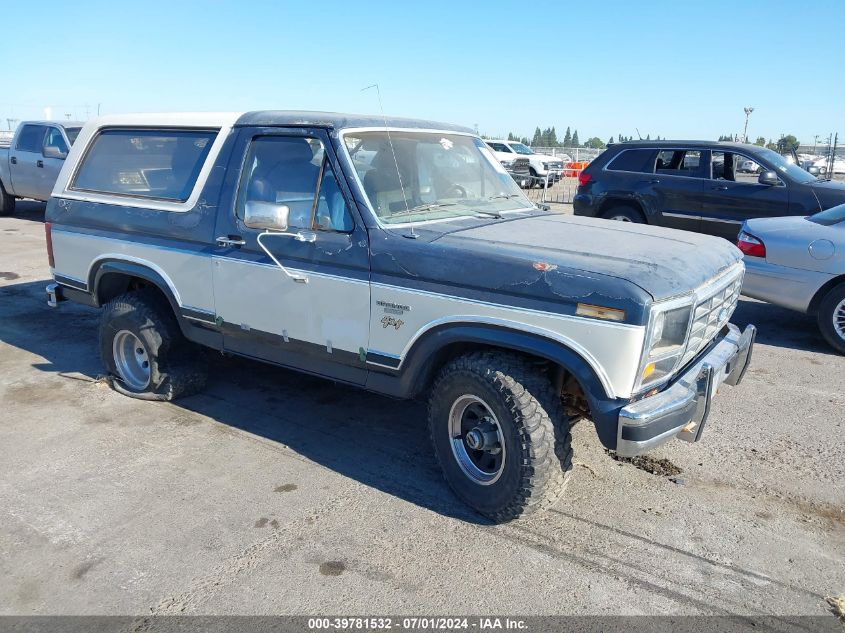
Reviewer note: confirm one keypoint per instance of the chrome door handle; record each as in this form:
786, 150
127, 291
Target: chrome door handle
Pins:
306, 236
225, 240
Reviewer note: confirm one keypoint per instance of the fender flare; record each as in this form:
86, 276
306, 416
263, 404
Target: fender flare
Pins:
114, 265
418, 364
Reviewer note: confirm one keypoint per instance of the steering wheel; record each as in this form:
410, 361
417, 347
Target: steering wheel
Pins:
459, 190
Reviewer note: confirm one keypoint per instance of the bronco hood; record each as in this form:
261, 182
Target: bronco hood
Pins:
663, 262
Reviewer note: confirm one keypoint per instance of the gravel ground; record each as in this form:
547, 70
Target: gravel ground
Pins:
276, 493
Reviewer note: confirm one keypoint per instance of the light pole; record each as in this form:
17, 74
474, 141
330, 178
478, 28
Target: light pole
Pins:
748, 112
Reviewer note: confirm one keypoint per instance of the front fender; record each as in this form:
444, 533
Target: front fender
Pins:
438, 344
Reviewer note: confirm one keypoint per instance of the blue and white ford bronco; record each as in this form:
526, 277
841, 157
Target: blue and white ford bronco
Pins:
397, 255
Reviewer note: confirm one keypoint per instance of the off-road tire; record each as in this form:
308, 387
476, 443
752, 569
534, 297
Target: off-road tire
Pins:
538, 459
626, 211
177, 366
7, 202
831, 300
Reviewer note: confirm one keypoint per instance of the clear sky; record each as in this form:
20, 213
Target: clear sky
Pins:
677, 69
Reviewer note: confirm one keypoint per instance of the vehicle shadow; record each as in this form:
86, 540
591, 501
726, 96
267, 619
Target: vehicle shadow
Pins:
377, 441
31, 210
781, 327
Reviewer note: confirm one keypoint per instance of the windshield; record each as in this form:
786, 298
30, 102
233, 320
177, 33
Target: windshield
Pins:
72, 133
418, 176
519, 148
785, 167
832, 216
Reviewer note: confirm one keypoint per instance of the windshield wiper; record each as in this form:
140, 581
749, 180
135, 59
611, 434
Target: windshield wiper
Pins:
420, 208
491, 214
504, 196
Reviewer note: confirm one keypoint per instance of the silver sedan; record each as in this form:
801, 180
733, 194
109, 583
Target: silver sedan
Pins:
799, 263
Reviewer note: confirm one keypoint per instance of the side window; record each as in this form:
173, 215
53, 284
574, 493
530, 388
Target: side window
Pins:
500, 147
54, 138
30, 139
162, 164
294, 171
635, 160
733, 167
679, 162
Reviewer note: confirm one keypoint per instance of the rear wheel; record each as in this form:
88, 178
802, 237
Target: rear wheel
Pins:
144, 351
7, 202
832, 318
500, 434
624, 213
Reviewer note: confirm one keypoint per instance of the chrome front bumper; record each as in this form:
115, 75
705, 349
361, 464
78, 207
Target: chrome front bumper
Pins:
681, 410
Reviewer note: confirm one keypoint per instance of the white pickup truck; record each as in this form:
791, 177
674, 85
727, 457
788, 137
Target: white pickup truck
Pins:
31, 163
543, 168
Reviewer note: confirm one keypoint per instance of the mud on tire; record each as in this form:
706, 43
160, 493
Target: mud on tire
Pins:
174, 365
538, 449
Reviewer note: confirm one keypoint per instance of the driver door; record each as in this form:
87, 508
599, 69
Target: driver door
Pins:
301, 297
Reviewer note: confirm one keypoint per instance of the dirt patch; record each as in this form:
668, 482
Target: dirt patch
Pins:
332, 568
660, 467
9, 276
285, 488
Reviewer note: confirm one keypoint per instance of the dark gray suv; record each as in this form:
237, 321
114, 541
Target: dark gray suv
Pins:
698, 186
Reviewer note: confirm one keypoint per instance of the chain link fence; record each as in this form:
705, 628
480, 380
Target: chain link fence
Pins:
560, 191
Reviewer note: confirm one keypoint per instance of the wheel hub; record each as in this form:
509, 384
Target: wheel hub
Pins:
477, 441
131, 360
484, 437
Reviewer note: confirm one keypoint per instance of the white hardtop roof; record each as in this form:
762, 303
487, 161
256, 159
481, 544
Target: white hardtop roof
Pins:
201, 119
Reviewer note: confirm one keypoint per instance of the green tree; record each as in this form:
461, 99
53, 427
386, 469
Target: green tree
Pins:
567, 138
761, 141
553, 137
788, 142
610, 141
575, 142
538, 137
595, 143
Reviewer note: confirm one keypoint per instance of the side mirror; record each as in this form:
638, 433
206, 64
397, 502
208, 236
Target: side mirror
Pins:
769, 178
266, 215
52, 151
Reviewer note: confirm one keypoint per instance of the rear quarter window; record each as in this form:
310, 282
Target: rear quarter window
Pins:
636, 160
159, 164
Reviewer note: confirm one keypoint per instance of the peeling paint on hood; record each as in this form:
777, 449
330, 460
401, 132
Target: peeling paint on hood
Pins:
663, 262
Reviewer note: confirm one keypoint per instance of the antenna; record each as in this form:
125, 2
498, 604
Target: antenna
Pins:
638, 133
392, 150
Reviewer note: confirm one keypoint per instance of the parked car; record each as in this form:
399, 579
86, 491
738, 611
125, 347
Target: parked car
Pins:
543, 168
30, 165
352, 248
799, 263
694, 185
748, 167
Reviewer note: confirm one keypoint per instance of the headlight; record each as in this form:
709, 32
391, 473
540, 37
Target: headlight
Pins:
508, 163
666, 338
545, 165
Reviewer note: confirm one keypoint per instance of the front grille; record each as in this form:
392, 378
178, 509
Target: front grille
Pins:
715, 304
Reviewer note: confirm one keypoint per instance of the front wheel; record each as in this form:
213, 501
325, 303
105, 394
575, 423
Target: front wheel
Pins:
832, 318
500, 434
